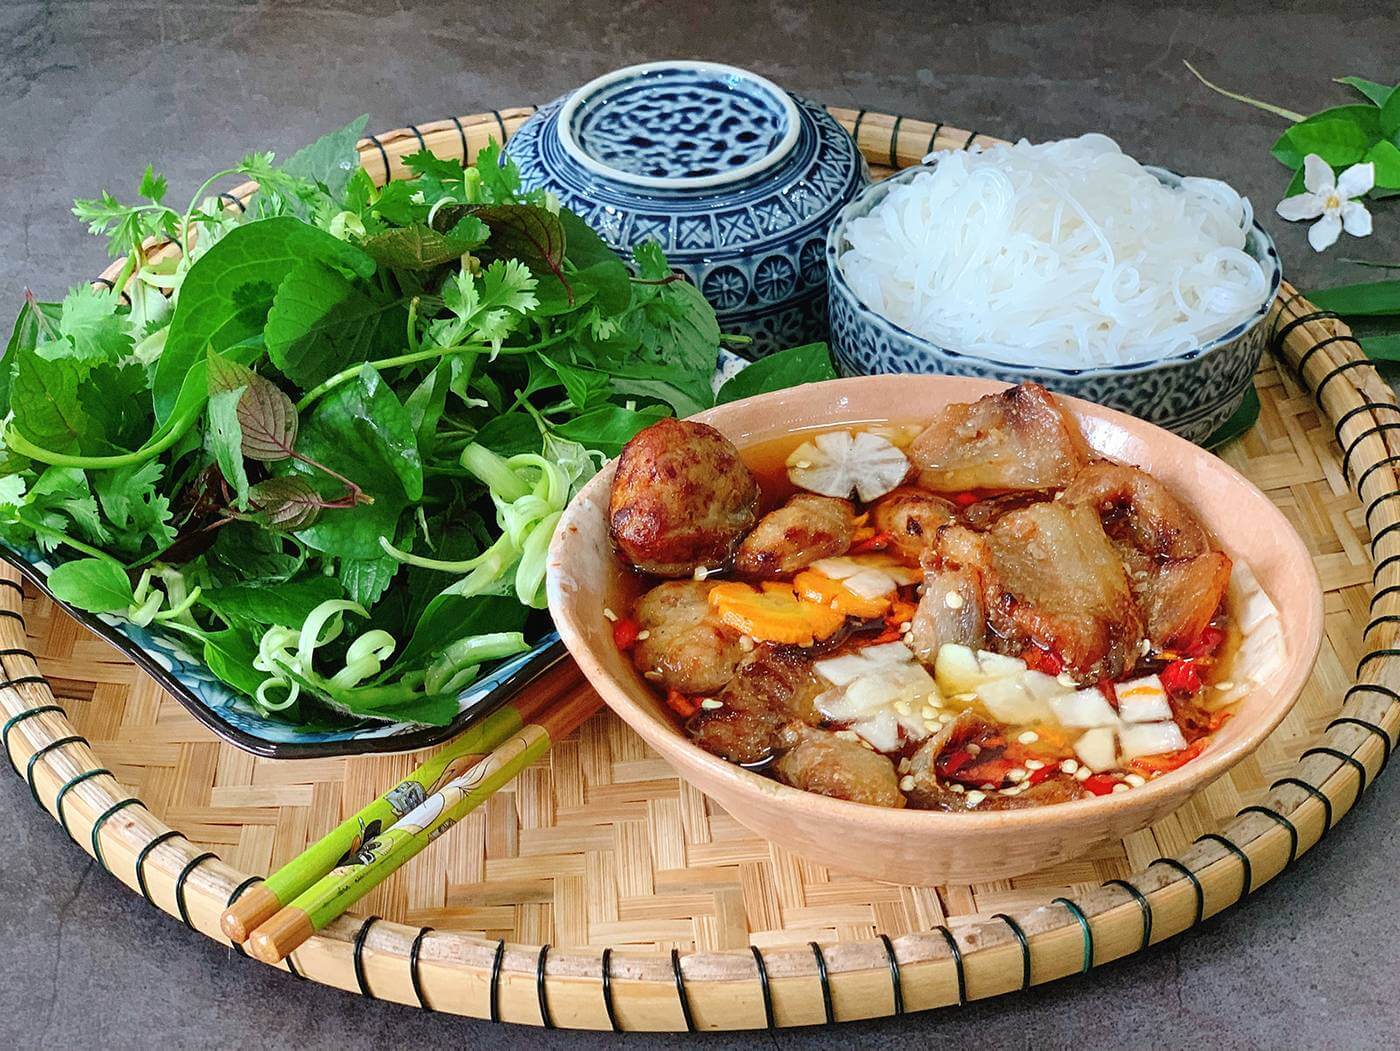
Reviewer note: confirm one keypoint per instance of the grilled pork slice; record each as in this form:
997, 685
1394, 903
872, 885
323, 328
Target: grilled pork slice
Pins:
820, 761
930, 792
1049, 577
681, 499
803, 530
1178, 575
1017, 439
687, 647
772, 688
909, 515
951, 609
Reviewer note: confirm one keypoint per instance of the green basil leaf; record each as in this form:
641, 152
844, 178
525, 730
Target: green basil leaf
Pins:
1340, 136
366, 579
230, 654
93, 584
1368, 299
227, 293
787, 368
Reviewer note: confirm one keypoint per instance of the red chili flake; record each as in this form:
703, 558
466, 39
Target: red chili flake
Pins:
1043, 660
681, 704
951, 762
1206, 643
1181, 679
1045, 773
625, 632
965, 499
1101, 784
1109, 693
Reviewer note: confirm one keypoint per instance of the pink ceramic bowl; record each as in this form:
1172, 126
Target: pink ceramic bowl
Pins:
926, 847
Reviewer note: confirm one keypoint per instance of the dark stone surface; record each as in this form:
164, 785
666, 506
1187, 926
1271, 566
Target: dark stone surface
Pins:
91, 91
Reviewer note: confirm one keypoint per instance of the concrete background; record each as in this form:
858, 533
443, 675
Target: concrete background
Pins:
91, 90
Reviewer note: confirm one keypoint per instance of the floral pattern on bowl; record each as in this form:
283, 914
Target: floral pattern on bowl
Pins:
736, 179
1191, 394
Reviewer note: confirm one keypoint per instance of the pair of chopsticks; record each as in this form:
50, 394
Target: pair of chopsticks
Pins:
276, 916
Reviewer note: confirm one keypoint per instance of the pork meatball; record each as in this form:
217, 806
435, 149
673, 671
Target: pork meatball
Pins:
910, 516
687, 647
772, 688
803, 530
681, 499
822, 762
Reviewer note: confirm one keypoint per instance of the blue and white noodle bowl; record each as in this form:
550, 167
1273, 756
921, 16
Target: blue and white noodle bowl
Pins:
1191, 390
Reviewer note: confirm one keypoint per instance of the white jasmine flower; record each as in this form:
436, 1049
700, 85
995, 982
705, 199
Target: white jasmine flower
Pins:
1333, 202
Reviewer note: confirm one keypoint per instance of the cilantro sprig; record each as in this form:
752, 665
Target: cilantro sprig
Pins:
326, 441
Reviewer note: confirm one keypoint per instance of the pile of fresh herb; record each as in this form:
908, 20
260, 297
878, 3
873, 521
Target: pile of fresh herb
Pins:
329, 441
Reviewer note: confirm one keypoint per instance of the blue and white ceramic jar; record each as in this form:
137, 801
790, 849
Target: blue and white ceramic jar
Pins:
736, 179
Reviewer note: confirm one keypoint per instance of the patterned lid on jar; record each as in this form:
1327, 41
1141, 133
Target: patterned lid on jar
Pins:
679, 125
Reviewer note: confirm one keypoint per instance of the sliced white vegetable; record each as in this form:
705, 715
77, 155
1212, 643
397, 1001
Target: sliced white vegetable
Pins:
1141, 739
871, 583
997, 666
881, 730
888, 653
842, 670
1010, 702
837, 568
1045, 686
956, 669
875, 690
1096, 749
1143, 700
842, 567
837, 462
1083, 709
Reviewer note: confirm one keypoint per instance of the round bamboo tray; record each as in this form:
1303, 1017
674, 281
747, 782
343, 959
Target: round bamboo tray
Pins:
599, 891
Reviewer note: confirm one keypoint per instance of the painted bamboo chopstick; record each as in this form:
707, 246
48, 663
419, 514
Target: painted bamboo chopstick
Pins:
262, 900
339, 889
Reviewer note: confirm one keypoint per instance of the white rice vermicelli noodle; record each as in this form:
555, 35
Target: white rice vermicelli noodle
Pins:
1065, 253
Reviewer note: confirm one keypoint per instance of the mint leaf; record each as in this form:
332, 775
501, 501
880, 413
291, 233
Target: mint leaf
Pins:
420, 247
320, 322
366, 579
227, 293
225, 440
787, 368
47, 411
331, 159
93, 584
362, 431
287, 604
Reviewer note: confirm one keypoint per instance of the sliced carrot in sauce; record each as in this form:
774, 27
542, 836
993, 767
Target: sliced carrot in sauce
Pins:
816, 587
774, 614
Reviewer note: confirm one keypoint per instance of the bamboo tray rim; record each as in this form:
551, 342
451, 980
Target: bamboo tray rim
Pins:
625, 989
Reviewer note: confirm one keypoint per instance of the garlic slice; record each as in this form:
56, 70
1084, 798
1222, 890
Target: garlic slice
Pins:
838, 462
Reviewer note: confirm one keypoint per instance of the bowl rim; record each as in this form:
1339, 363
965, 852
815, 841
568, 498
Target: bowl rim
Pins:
1302, 648
565, 126
866, 198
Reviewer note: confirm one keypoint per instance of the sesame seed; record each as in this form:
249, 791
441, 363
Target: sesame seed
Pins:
946, 717
710, 704
989, 787
965, 698
834, 603
973, 798
1068, 766
1136, 780
928, 712
1016, 776
1029, 737
906, 784
1146, 647
642, 636
1083, 774
1121, 787
974, 749
653, 675
866, 744
848, 735
953, 600
902, 707
700, 573
1034, 764
905, 628
1064, 679
1226, 685
956, 788
607, 612
746, 643
802, 465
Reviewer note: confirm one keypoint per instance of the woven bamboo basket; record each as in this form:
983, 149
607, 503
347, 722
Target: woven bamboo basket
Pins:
599, 891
